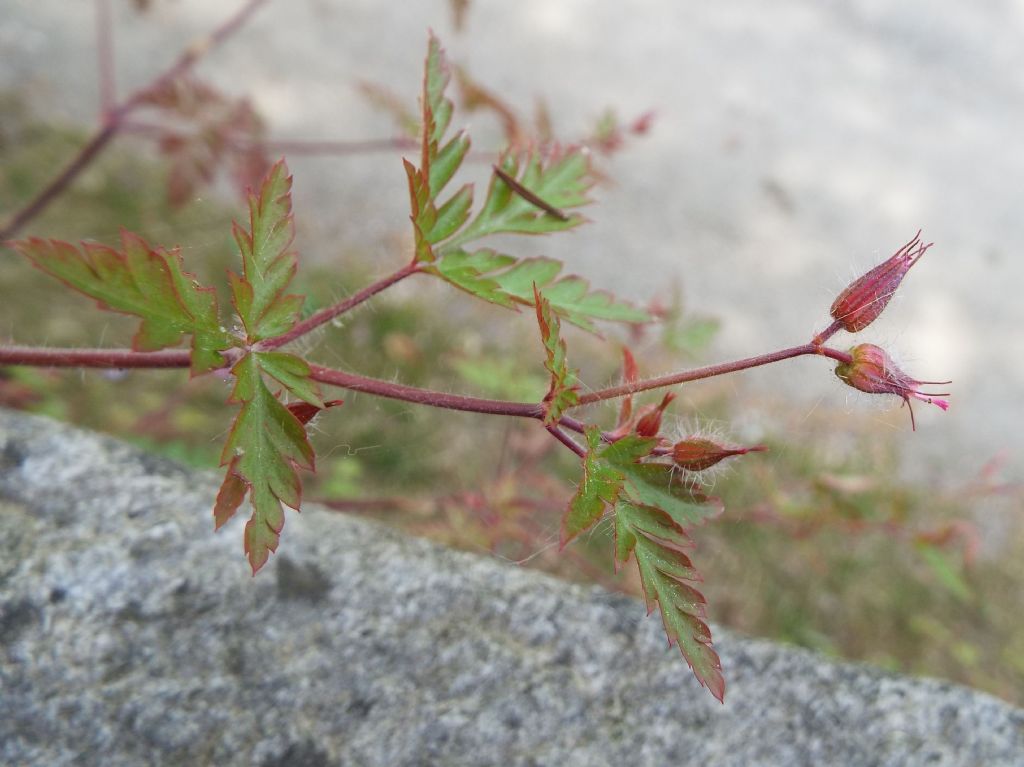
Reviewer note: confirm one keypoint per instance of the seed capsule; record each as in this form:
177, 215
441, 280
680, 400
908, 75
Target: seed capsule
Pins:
865, 298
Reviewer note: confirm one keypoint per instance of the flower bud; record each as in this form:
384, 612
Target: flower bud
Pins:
305, 412
865, 298
871, 370
649, 418
699, 453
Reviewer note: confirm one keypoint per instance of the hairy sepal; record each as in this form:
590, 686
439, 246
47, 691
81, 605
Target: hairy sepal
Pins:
563, 392
142, 281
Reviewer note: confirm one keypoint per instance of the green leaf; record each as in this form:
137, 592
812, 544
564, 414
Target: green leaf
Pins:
652, 510
563, 393
432, 220
659, 544
690, 336
561, 179
266, 445
147, 283
601, 484
291, 372
507, 281
268, 263
655, 484
603, 480
437, 109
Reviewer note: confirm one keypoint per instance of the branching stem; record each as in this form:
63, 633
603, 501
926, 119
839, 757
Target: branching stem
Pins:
566, 440
114, 116
180, 358
329, 313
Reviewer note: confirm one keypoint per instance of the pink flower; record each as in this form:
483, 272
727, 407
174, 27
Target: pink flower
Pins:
871, 370
866, 297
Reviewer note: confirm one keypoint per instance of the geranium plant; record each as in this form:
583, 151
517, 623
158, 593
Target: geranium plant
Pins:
650, 486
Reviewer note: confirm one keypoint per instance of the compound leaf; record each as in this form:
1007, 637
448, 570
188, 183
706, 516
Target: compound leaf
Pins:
659, 544
266, 446
527, 195
147, 283
652, 511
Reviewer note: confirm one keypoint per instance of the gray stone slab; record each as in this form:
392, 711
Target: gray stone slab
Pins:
131, 634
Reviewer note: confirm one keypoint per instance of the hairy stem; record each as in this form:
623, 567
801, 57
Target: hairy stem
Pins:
428, 397
114, 117
180, 358
566, 440
93, 358
827, 333
329, 313
708, 372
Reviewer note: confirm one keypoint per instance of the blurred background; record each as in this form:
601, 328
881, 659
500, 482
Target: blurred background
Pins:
754, 158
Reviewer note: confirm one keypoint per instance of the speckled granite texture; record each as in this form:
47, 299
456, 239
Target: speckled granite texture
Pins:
131, 634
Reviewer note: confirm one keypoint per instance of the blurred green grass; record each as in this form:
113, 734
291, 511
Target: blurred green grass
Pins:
823, 545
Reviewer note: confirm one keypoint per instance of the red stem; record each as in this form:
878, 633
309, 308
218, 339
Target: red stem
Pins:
329, 313
709, 372
180, 358
828, 332
419, 396
93, 358
566, 440
113, 120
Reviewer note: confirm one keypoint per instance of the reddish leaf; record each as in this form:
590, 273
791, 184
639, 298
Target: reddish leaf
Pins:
147, 283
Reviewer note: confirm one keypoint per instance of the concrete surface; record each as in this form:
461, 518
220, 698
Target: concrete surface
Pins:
131, 634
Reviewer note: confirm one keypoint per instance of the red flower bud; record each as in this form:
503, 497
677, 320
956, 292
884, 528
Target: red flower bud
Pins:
305, 412
871, 370
865, 298
698, 453
649, 418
